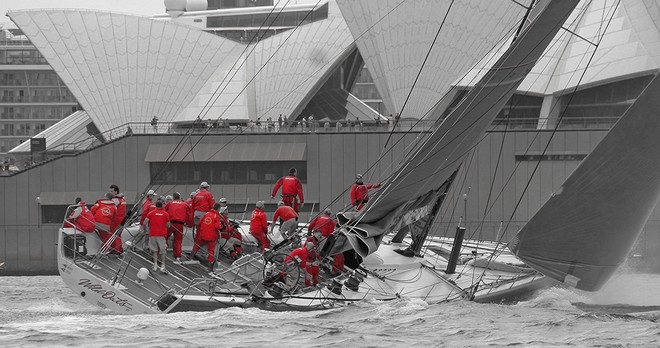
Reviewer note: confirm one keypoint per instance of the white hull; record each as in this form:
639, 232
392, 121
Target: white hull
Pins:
112, 283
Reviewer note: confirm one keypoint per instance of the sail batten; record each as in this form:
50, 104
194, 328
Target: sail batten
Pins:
440, 155
587, 229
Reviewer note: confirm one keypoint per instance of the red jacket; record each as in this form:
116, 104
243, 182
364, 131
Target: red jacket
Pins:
158, 219
146, 206
203, 200
360, 192
258, 221
324, 223
179, 211
291, 186
81, 218
285, 212
302, 253
209, 225
120, 202
104, 212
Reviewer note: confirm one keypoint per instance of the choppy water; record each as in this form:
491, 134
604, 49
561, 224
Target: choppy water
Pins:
41, 311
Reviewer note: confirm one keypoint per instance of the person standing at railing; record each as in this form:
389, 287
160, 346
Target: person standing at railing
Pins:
154, 123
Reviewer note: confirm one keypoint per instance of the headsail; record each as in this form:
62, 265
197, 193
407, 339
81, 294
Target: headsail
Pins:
586, 230
435, 160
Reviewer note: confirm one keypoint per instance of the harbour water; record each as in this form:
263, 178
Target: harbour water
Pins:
42, 311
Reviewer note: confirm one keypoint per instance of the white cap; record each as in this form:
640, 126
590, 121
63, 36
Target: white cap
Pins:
223, 200
260, 204
280, 203
193, 193
204, 184
151, 193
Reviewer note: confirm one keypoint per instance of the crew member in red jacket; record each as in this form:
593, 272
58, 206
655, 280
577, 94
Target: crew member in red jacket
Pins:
120, 203
148, 204
324, 223
179, 212
289, 218
306, 258
360, 192
207, 234
104, 213
81, 217
202, 202
291, 190
259, 226
159, 221
231, 239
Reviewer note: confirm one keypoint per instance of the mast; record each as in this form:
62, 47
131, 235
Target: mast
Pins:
436, 160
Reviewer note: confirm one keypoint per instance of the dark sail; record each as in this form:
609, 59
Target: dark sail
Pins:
434, 161
586, 230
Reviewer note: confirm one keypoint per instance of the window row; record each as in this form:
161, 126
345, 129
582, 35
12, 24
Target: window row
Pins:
30, 78
50, 112
221, 173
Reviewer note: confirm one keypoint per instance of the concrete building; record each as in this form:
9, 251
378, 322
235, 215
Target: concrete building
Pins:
208, 92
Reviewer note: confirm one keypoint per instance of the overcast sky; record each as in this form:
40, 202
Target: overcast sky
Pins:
140, 7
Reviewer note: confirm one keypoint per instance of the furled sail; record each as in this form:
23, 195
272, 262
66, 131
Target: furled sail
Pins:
435, 160
587, 228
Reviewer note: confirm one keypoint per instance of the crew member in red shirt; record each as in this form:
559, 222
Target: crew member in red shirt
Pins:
289, 218
81, 217
207, 234
324, 223
104, 213
159, 221
259, 226
179, 212
120, 203
291, 190
202, 202
231, 239
360, 192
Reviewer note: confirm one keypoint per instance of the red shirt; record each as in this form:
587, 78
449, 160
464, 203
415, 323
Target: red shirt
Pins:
324, 223
285, 212
178, 210
158, 219
258, 221
203, 200
290, 186
209, 225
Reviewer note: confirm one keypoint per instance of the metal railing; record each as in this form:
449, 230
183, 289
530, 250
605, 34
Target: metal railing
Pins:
210, 127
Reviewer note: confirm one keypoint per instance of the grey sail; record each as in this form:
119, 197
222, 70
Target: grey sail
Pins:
586, 230
434, 161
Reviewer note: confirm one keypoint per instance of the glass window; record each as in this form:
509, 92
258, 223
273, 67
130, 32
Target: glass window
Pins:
235, 173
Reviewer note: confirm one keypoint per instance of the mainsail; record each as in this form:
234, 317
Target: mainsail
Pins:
434, 161
587, 228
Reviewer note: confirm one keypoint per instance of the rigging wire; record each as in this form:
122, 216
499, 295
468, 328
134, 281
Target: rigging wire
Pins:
561, 117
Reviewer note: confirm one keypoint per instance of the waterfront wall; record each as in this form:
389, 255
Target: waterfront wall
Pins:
496, 181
